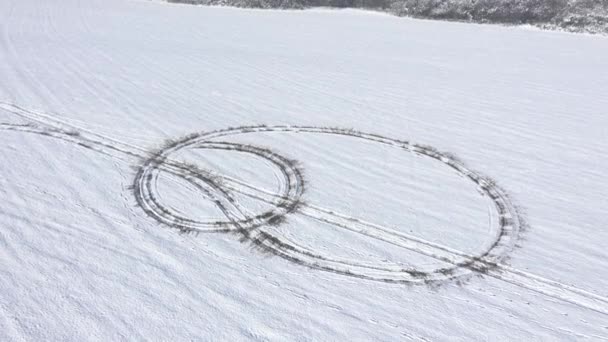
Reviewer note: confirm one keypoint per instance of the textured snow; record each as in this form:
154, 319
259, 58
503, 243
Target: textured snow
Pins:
80, 261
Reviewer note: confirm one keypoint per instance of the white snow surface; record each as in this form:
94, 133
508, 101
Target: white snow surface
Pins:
80, 260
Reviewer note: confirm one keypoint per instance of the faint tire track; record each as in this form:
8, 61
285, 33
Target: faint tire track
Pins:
253, 228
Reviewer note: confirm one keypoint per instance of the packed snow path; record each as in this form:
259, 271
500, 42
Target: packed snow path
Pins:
354, 218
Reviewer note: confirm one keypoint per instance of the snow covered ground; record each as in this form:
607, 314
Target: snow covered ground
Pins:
124, 122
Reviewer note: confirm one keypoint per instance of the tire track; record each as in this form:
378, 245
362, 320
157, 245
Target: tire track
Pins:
256, 229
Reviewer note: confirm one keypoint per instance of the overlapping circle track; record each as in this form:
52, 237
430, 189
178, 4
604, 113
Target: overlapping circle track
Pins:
262, 229
258, 228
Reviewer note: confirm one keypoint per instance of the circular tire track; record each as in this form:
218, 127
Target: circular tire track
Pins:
146, 192
256, 228
211, 186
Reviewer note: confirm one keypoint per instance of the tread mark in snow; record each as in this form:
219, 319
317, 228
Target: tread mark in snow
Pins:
255, 228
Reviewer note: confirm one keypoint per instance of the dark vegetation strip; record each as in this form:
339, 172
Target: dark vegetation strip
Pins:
589, 16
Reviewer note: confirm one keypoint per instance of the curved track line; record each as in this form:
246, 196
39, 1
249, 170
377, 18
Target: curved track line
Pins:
251, 227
